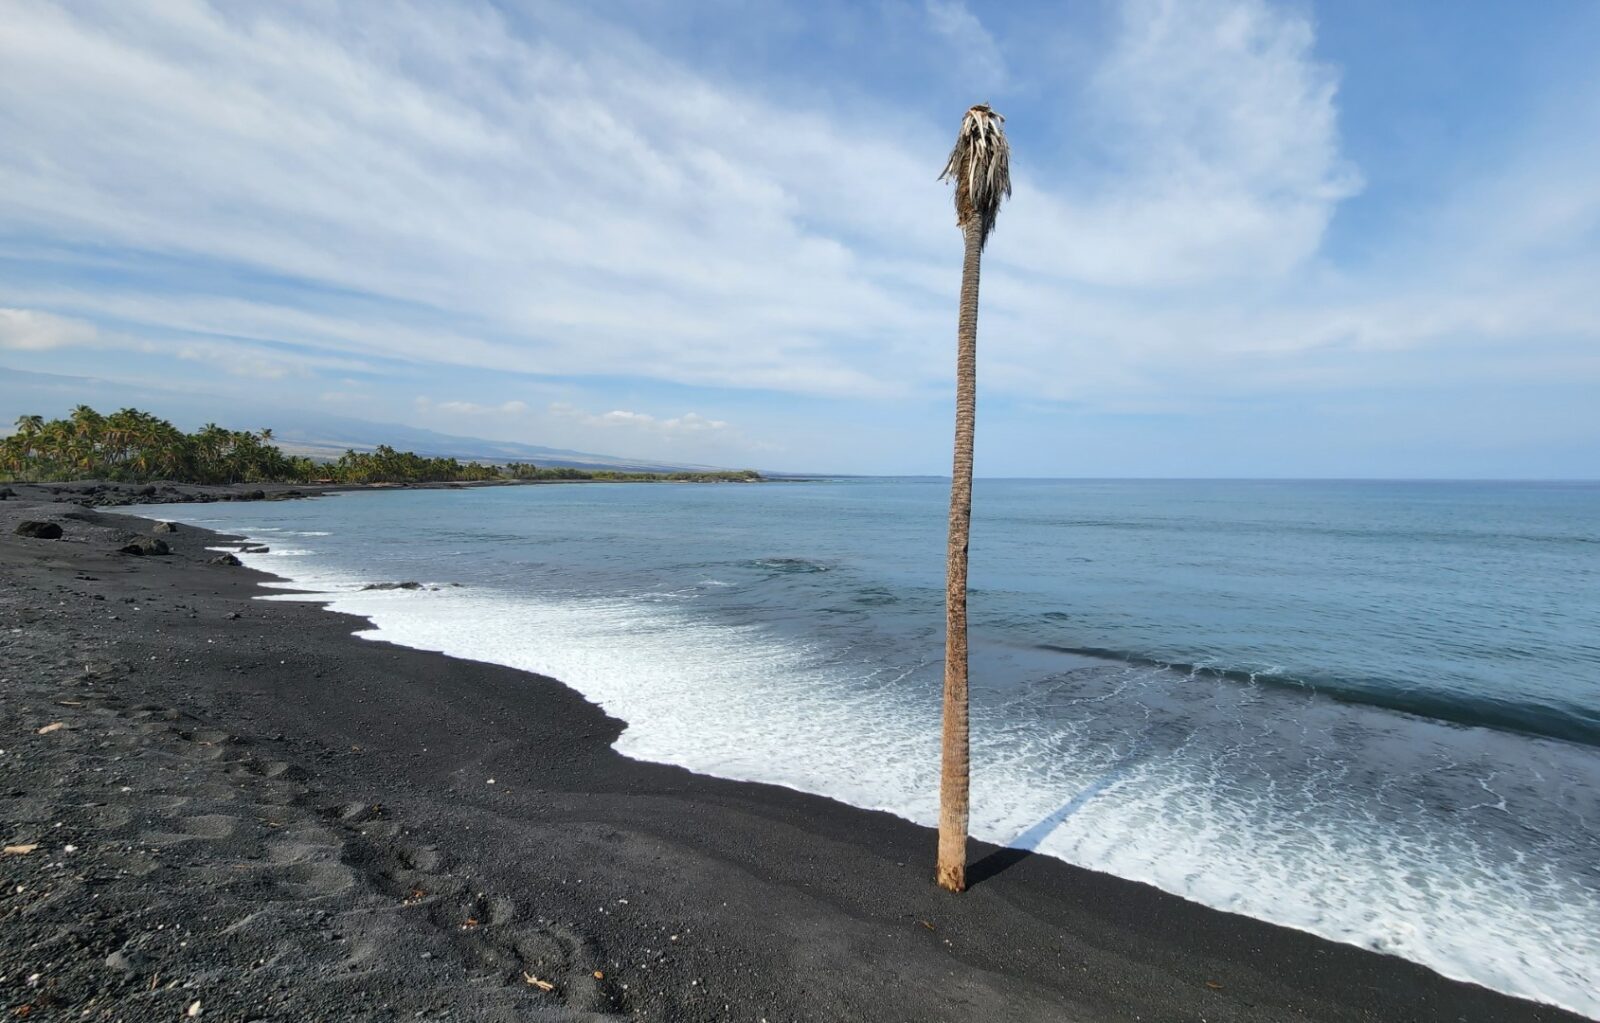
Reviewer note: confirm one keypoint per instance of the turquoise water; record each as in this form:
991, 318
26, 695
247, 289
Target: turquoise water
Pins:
1368, 710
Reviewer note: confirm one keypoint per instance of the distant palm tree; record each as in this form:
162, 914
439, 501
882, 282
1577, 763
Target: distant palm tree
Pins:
29, 427
980, 168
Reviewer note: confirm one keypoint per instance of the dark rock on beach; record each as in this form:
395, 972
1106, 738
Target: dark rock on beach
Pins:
225, 559
147, 545
39, 530
407, 585
164, 527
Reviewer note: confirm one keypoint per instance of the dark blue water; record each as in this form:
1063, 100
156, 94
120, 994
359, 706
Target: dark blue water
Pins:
1369, 710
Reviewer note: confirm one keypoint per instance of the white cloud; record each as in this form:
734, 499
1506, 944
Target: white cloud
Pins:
561, 200
29, 330
685, 438
471, 408
1222, 154
569, 202
974, 47
233, 359
643, 422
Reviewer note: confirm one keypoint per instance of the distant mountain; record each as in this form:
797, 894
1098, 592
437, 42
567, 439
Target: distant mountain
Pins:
328, 436
297, 432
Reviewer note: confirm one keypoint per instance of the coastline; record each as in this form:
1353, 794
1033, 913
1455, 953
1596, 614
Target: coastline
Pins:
109, 494
687, 893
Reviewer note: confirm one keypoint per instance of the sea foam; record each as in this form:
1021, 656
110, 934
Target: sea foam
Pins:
1177, 806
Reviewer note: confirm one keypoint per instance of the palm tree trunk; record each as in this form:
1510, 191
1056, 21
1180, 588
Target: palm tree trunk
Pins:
953, 781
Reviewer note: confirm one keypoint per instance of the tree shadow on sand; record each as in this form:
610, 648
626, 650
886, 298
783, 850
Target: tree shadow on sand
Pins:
1027, 841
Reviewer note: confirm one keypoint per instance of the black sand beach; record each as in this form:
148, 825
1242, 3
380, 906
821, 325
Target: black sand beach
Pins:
220, 807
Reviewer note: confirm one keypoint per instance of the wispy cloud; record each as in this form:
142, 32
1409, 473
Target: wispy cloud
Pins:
572, 207
301, 192
472, 408
970, 43
565, 424
29, 330
687, 423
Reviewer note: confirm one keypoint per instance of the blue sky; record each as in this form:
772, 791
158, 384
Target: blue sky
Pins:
1248, 238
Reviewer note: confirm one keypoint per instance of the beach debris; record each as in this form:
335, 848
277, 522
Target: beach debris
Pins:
599, 975
416, 896
532, 981
54, 726
469, 923
21, 850
1213, 985
194, 1009
39, 530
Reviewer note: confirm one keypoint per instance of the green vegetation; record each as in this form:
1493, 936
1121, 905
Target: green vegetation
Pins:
135, 446
386, 465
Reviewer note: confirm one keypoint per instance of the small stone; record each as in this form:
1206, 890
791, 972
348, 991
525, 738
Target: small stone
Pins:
194, 1008
124, 961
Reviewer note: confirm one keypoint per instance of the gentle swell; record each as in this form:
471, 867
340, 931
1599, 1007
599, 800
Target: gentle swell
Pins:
1565, 722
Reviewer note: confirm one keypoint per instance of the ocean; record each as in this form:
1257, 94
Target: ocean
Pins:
1369, 710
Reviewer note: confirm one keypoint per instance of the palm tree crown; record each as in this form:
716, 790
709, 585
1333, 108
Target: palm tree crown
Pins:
980, 167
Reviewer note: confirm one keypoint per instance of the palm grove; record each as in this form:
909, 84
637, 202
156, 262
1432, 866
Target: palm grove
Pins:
132, 445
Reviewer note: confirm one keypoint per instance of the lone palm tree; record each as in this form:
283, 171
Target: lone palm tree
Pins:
980, 168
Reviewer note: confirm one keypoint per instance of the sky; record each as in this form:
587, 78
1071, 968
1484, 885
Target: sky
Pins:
1248, 238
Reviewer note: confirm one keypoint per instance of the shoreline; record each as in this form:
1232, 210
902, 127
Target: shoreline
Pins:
95, 493
784, 905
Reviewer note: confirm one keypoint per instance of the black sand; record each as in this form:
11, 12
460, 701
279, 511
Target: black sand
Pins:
272, 820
